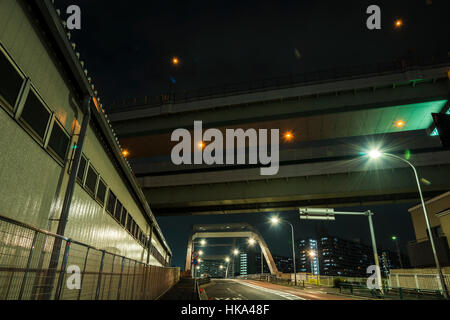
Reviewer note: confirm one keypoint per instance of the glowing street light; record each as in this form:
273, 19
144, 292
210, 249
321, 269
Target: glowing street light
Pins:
312, 254
203, 242
400, 124
236, 252
200, 253
201, 145
175, 61
375, 154
398, 23
125, 153
227, 259
288, 136
277, 220
251, 242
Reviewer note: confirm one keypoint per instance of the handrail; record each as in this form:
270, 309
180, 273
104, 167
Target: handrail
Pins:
321, 76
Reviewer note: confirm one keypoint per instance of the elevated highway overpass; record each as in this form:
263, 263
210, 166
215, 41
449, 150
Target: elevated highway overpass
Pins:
333, 119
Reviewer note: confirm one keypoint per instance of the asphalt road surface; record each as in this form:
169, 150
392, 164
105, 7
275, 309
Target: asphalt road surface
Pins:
254, 290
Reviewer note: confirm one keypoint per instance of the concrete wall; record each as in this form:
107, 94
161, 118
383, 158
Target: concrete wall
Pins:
32, 183
433, 206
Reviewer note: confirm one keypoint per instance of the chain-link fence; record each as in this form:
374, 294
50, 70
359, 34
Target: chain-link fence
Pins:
38, 265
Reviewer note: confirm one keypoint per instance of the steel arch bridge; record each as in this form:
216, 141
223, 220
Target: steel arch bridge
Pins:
232, 230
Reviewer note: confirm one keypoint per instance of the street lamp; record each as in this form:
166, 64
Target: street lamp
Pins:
398, 251
251, 242
275, 221
313, 255
374, 154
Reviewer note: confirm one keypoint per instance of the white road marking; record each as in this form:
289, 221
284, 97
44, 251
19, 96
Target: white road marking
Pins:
279, 293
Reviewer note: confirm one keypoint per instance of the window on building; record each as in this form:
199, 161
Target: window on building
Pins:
129, 223
36, 115
111, 203
118, 211
10, 82
59, 141
91, 180
82, 169
123, 218
101, 191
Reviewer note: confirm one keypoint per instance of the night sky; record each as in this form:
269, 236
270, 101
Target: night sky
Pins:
128, 46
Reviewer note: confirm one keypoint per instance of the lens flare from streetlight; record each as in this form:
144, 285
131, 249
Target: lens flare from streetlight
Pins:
201, 145
175, 61
275, 220
375, 154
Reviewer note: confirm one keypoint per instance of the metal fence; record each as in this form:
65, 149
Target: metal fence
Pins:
38, 265
415, 281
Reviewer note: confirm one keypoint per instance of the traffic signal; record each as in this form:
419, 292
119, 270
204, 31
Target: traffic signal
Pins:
442, 122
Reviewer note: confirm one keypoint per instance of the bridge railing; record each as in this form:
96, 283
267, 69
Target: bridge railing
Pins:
292, 80
82, 272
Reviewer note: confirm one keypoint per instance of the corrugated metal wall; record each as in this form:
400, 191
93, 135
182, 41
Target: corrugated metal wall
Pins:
29, 177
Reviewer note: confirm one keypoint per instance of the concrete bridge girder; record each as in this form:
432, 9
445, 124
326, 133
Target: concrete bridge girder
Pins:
262, 196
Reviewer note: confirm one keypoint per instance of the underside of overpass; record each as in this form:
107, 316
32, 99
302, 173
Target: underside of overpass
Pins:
333, 123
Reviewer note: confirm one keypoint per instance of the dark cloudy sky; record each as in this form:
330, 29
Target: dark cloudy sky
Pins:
128, 45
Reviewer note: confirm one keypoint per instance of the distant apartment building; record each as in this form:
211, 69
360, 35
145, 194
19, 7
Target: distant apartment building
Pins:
334, 256
212, 268
420, 251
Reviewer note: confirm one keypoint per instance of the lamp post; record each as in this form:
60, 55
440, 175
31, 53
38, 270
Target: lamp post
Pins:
200, 253
375, 154
313, 255
235, 254
276, 220
395, 238
227, 260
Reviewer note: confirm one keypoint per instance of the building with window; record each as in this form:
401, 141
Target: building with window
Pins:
420, 251
334, 256
45, 88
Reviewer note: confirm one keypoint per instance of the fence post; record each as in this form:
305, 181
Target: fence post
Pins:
112, 275
84, 271
99, 281
120, 279
63, 270
439, 284
30, 257
134, 280
417, 282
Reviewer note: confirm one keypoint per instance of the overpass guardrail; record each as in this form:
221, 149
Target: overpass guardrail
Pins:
348, 72
81, 272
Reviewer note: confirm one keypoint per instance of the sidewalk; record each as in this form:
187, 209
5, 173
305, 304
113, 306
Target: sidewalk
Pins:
183, 290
